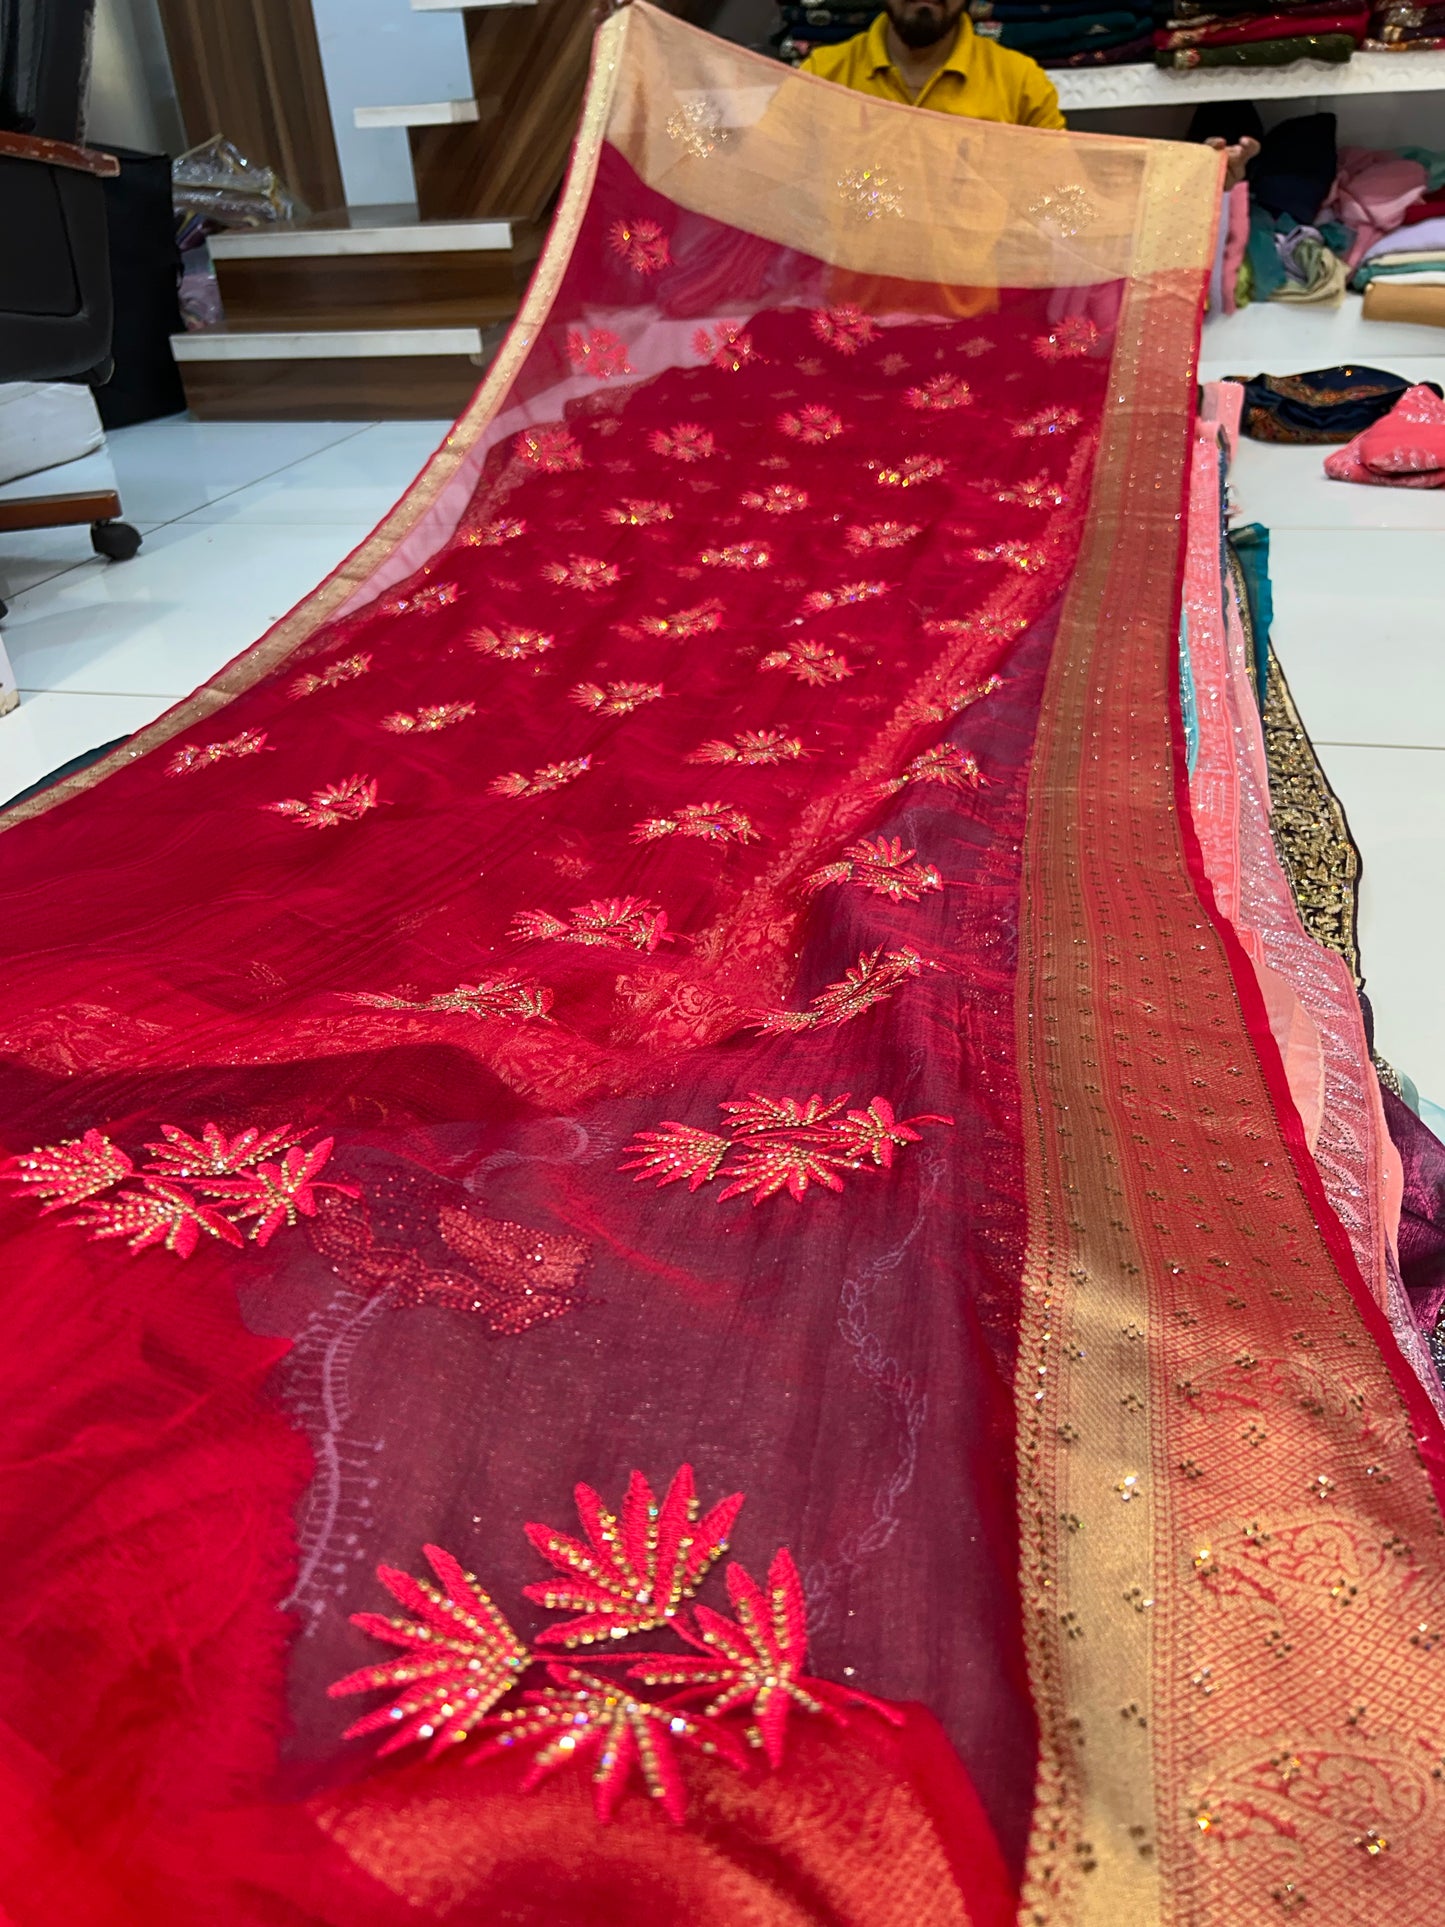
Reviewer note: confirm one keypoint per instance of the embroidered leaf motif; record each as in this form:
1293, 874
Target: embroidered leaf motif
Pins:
601, 353
1023, 556
431, 716
343, 802
821, 600
912, 470
1050, 421
939, 392
752, 748
551, 777
634, 1568
68, 1173
461, 1657
756, 1661
616, 698
157, 1214
583, 1715
762, 1170
491, 535
1036, 493
677, 1151
713, 822
641, 244
810, 662
213, 1154
776, 499
949, 701
683, 624
845, 327
493, 997
881, 535
511, 645
882, 866
738, 555
954, 768
276, 1194
424, 602
1074, 335
811, 423
639, 515
871, 980
193, 756
333, 675
730, 349
877, 1132
606, 920
584, 572
687, 442
549, 448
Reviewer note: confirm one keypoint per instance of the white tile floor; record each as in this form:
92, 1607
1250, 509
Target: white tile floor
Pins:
241, 519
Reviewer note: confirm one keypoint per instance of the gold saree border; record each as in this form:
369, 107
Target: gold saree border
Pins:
293, 631
1233, 1569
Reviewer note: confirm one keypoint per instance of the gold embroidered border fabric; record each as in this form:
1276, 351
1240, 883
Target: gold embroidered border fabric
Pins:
1232, 1558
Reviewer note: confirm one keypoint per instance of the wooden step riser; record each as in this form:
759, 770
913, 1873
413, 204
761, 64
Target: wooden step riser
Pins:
374, 290
380, 388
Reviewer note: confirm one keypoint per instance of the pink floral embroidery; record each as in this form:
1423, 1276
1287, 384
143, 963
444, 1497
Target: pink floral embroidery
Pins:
424, 602
871, 980
881, 535
1050, 421
752, 748
776, 499
601, 354
821, 600
584, 572
1037, 493
190, 1188
810, 662
730, 349
949, 701
551, 776
738, 555
687, 442
641, 244
775, 1144
954, 768
912, 470
492, 534
845, 328
880, 865
684, 624
629, 1572
1023, 556
343, 802
940, 392
430, 717
194, 756
607, 921
493, 997
345, 669
549, 448
639, 515
811, 423
511, 645
616, 698
712, 822
1074, 335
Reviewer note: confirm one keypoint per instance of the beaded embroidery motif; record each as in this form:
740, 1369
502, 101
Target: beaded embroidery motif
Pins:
871, 980
1049, 421
550, 777
738, 555
631, 1572
332, 676
687, 442
752, 747
511, 645
813, 423
684, 624
713, 822
601, 354
810, 662
194, 756
549, 449
584, 572
343, 802
620, 921
730, 349
430, 717
641, 244
492, 534
639, 515
616, 698
845, 327
912, 470
1074, 335
512, 997
881, 535
954, 768
880, 865
939, 392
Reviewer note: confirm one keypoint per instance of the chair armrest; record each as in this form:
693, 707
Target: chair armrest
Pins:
84, 160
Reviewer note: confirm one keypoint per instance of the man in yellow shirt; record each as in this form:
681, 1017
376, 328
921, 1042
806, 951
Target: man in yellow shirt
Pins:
926, 54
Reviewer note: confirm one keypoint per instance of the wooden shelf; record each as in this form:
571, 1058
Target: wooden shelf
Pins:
1151, 86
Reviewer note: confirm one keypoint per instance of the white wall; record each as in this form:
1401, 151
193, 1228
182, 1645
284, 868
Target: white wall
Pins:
378, 53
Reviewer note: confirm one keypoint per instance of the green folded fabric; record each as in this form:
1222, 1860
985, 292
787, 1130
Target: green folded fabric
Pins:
1332, 47
1369, 271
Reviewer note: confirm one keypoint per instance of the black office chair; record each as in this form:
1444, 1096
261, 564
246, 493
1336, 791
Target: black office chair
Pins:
55, 302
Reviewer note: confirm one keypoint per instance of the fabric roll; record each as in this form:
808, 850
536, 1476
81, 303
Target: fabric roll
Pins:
1090, 30
1391, 301
1127, 53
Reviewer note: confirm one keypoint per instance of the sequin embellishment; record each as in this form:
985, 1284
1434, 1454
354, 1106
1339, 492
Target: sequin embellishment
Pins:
775, 1144
343, 802
845, 328
1036, 493
552, 776
600, 354
912, 470
778, 498
194, 756
1074, 335
752, 748
344, 669
871, 195
712, 822
430, 717
822, 600
614, 922
810, 662
881, 535
871, 980
639, 515
511, 645
697, 127
1049, 421
684, 624
880, 865
629, 1572
730, 348
190, 1188
493, 997
616, 698
949, 700
641, 244
939, 392
584, 572
1022, 556
738, 555
954, 768
549, 449
686, 442
424, 602
811, 423
491, 535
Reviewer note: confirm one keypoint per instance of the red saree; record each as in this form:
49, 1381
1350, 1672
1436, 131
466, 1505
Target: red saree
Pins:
659, 1260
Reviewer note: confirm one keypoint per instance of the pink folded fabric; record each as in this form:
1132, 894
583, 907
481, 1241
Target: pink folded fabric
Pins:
1236, 240
1404, 449
1371, 192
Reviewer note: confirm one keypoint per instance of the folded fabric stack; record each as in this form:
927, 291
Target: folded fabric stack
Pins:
1397, 27
803, 28
1069, 33
1406, 449
1281, 239
1394, 202
1238, 33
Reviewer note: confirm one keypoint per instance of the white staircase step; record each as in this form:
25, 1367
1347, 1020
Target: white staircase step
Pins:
390, 233
464, 6
323, 344
421, 113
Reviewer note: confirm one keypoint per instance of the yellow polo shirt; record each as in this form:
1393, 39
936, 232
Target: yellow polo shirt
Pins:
979, 78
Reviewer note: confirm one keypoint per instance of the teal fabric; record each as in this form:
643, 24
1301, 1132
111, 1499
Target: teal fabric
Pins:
1265, 267
1251, 550
1188, 701
1369, 271
1432, 159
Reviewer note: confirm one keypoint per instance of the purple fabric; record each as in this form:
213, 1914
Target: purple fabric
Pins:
1422, 1216
1419, 238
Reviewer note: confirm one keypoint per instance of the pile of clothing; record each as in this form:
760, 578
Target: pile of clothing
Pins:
1069, 33
1396, 27
1405, 449
1282, 237
802, 28
1239, 33
1395, 203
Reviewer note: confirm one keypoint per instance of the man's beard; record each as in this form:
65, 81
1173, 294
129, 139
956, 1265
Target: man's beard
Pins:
924, 29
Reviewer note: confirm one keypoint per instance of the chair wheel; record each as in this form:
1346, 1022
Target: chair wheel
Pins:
116, 541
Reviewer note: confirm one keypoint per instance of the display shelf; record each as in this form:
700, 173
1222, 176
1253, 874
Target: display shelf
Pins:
1150, 86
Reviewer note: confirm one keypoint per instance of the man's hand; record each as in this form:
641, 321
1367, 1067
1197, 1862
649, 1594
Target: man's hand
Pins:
1236, 157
